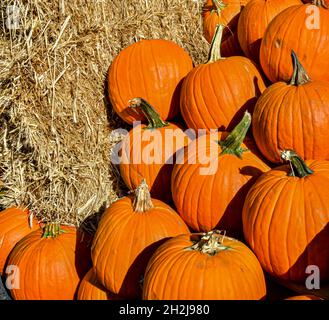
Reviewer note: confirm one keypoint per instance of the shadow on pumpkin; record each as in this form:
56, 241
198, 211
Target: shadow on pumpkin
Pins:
311, 256
132, 284
231, 221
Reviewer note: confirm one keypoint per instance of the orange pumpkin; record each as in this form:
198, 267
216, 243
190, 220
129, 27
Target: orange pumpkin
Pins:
225, 12
253, 21
216, 94
148, 151
49, 263
127, 235
90, 289
299, 29
204, 267
304, 297
152, 69
211, 179
286, 218
293, 115
14, 225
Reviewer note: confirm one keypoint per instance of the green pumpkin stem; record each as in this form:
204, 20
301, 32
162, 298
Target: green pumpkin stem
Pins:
215, 48
320, 3
232, 143
52, 230
142, 201
152, 116
300, 75
210, 243
298, 166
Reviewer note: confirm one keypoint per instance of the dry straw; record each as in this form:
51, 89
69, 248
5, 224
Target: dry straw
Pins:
55, 121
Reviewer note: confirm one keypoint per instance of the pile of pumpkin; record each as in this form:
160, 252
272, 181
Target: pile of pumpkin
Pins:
211, 217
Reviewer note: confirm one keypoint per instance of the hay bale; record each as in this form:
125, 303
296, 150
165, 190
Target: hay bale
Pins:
55, 119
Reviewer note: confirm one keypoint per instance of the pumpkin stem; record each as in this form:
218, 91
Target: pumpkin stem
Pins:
211, 243
220, 5
299, 77
320, 3
232, 144
298, 166
52, 230
152, 116
215, 48
142, 201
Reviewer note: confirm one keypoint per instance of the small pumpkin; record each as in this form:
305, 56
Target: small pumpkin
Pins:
90, 289
14, 226
225, 12
253, 21
212, 177
204, 267
148, 151
128, 233
286, 218
152, 69
304, 297
49, 263
216, 94
301, 29
293, 115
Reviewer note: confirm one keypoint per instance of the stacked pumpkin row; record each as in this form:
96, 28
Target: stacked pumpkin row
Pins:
163, 242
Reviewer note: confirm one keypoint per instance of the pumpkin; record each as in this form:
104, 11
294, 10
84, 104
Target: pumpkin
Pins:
212, 177
152, 69
148, 151
296, 29
293, 115
304, 297
253, 21
49, 263
225, 12
216, 94
128, 233
90, 289
286, 218
204, 267
14, 225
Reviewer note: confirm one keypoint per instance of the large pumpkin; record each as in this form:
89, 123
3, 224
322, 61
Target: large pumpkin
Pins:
49, 263
152, 69
304, 30
14, 225
148, 151
253, 21
127, 235
286, 218
90, 289
216, 94
211, 179
204, 267
293, 115
225, 12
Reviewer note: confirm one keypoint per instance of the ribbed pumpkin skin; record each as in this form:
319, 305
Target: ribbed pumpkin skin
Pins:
14, 226
215, 95
50, 268
288, 31
293, 117
228, 17
215, 200
157, 172
125, 241
151, 69
253, 21
286, 219
175, 273
90, 289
